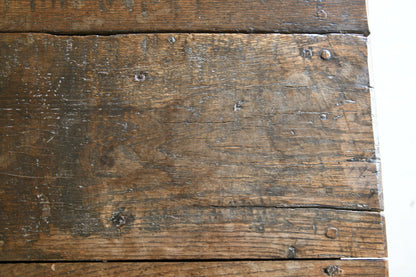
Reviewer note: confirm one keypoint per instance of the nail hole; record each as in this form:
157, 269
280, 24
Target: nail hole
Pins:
239, 105
307, 53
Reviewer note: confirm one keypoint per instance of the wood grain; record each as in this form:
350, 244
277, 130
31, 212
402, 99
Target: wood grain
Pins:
209, 120
130, 16
132, 233
170, 146
373, 268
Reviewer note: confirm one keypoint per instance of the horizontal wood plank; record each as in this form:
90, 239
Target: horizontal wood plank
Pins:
130, 233
170, 146
369, 268
115, 16
206, 120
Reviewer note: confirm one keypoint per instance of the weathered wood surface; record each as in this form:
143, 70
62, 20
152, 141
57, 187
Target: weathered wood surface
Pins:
209, 120
359, 268
111, 232
127, 16
172, 146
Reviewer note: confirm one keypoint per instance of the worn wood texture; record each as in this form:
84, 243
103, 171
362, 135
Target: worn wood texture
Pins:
209, 120
359, 268
169, 146
127, 16
113, 233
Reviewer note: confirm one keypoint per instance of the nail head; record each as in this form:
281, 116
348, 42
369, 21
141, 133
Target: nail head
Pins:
331, 233
322, 14
291, 253
140, 77
172, 40
326, 54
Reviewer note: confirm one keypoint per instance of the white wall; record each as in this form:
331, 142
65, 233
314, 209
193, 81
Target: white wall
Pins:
393, 69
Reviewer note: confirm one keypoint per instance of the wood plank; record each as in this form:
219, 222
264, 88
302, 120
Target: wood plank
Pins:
209, 120
133, 233
170, 146
373, 268
121, 16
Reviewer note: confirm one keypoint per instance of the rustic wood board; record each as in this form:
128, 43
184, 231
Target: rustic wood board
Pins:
181, 146
373, 268
128, 233
130, 16
209, 120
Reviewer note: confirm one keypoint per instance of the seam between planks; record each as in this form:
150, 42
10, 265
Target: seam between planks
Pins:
321, 207
112, 33
189, 260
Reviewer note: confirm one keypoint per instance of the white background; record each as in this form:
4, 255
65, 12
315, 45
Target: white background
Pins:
393, 75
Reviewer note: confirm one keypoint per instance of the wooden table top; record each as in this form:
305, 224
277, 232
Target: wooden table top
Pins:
187, 137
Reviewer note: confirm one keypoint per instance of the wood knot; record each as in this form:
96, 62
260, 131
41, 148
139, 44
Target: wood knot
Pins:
107, 160
333, 270
118, 219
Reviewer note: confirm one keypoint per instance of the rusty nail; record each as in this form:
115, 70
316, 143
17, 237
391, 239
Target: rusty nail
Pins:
331, 233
